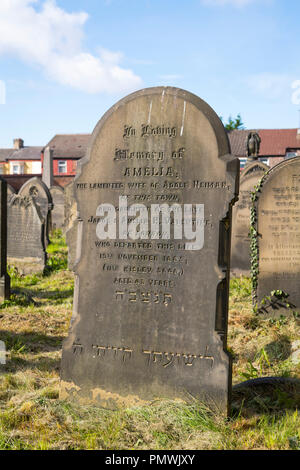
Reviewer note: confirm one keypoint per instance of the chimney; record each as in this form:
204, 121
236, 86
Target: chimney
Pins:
18, 144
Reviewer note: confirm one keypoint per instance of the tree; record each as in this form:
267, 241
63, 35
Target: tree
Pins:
236, 123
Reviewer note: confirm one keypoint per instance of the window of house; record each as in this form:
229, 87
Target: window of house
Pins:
290, 155
265, 161
62, 166
16, 169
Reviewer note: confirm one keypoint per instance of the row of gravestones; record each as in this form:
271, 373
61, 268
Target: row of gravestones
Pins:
31, 214
150, 314
266, 234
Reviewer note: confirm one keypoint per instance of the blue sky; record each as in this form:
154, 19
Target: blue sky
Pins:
63, 63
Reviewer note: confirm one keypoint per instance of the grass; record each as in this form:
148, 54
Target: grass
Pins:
35, 322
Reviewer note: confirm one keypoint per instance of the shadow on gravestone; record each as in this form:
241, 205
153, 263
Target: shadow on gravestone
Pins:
26, 239
277, 209
240, 263
58, 211
36, 189
150, 315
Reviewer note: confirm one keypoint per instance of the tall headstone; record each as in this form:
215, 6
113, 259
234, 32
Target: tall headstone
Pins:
48, 167
10, 192
26, 242
278, 236
71, 224
240, 245
37, 189
4, 277
58, 212
150, 314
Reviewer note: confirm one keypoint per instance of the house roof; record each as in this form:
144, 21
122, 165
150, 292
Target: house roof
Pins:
4, 154
69, 145
25, 153
274, 142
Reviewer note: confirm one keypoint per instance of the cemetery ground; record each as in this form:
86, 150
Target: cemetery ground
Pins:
33, 325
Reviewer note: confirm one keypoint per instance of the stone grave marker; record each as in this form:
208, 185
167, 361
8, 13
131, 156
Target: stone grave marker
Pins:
26, 240
278, 241
150, 313
47, 176
58, 212
37, 189
71, 223
4, 277
240, 242
10, 192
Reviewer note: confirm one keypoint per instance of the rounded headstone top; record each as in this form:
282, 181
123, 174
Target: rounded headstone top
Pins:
169, 99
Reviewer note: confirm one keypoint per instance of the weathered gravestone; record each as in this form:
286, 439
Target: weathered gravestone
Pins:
26, 240
240, 246
36, 189
150, 314
10, 192
4, 277
71, 224
58, 212
277, 224
47, 176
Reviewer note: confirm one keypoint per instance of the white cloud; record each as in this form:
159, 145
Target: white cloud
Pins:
43, 34
235, 3
269, 85
296, 94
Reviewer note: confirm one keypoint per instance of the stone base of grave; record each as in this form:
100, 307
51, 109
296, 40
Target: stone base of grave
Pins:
114, 401
26, 266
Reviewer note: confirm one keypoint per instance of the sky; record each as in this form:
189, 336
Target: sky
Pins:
64, 63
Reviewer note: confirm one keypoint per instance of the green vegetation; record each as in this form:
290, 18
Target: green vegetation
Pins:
233, 124
33, 325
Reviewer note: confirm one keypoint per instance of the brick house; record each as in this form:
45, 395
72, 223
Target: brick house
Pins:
67, 149
20, 160
276, 144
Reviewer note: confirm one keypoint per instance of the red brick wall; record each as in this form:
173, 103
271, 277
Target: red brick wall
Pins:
16, 181
62, 180
71, 167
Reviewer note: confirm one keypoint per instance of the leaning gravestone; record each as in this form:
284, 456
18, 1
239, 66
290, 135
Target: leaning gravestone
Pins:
150, 314
36, 189
58, 212
26, 246
240, 245
278, 237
